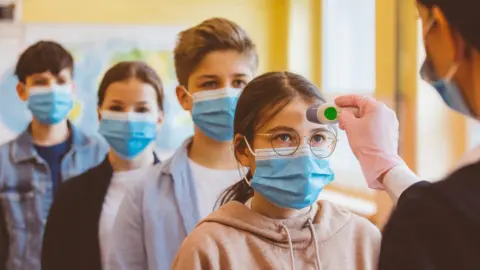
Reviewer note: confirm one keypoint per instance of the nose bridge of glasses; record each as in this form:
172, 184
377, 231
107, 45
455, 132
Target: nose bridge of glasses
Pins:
307, 140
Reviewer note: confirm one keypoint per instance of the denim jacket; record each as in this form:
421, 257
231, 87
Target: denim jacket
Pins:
26, 193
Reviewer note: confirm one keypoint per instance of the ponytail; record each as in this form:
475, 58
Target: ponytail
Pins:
240, 192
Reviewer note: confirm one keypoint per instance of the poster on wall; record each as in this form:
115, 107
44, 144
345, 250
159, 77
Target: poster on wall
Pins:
95, 48
11, 42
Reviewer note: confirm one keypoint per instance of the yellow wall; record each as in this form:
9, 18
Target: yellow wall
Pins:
386, 68
396, 60
304, 38
262, 19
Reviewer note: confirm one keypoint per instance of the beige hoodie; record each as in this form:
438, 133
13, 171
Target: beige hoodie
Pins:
236, 238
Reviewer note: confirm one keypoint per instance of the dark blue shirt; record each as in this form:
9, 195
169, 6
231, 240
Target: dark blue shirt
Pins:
53, 156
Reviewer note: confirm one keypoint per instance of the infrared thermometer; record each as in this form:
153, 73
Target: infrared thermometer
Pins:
326, 113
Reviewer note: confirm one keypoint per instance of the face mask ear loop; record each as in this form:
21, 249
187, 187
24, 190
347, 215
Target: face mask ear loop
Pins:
248, 146
452, 71
253, 153
454, 68
186, 92
428, 27
245, 176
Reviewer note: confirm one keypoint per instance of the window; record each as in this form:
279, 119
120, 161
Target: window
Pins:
348, 66
348, 46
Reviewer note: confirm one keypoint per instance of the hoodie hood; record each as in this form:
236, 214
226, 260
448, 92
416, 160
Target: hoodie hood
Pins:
326, 218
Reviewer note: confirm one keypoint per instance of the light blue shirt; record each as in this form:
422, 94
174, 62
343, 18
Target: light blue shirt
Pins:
156, 216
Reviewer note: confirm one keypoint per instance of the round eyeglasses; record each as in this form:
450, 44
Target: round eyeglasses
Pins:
286, 142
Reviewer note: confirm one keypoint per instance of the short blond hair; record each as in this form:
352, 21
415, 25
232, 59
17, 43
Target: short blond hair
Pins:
215, 34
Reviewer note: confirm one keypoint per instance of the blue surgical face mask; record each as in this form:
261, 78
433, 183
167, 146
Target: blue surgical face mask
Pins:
128, 133
290, 181
50, 105
213, 112
446, 87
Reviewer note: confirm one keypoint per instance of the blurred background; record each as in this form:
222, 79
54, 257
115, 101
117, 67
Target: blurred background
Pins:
369, 47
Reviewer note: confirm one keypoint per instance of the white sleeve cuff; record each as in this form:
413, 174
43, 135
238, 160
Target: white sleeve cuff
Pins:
397, 180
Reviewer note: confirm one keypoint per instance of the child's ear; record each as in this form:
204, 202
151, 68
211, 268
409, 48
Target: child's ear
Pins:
184, 99
161, 117
242, 153
74, 89
22, 91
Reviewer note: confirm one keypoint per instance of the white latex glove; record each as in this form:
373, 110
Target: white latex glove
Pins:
372, 135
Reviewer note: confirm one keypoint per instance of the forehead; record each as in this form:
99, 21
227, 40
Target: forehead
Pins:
292, 115
224, 64
131, 89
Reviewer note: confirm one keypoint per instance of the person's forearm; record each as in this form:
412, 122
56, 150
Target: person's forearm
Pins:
397, 180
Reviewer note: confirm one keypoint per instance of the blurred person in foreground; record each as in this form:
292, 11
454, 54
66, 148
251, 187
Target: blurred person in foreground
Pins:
434, 226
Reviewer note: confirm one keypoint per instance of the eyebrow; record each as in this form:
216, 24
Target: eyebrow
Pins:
40, 79
240, 75
207, 76
277, 128
117, 101
37, 77
46, 78
212, 76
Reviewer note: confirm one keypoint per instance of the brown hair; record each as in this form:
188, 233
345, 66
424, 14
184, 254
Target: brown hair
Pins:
215, 34
131, 69
462, 15
262, 99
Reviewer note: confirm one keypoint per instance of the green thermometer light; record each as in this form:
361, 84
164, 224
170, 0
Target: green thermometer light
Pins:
325, 114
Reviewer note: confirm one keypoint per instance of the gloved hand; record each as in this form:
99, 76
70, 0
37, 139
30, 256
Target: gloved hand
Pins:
372, 135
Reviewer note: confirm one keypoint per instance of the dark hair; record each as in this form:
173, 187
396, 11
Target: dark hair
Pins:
215, 34
262, 99
462, 15
41, 57
131, 69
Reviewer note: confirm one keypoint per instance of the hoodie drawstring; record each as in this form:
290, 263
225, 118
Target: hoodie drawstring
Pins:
290, 244
312, 229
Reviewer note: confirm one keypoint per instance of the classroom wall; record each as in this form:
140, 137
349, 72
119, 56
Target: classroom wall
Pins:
260, 18
288, 37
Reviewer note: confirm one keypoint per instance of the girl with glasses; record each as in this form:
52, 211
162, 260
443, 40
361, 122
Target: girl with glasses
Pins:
271, 219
